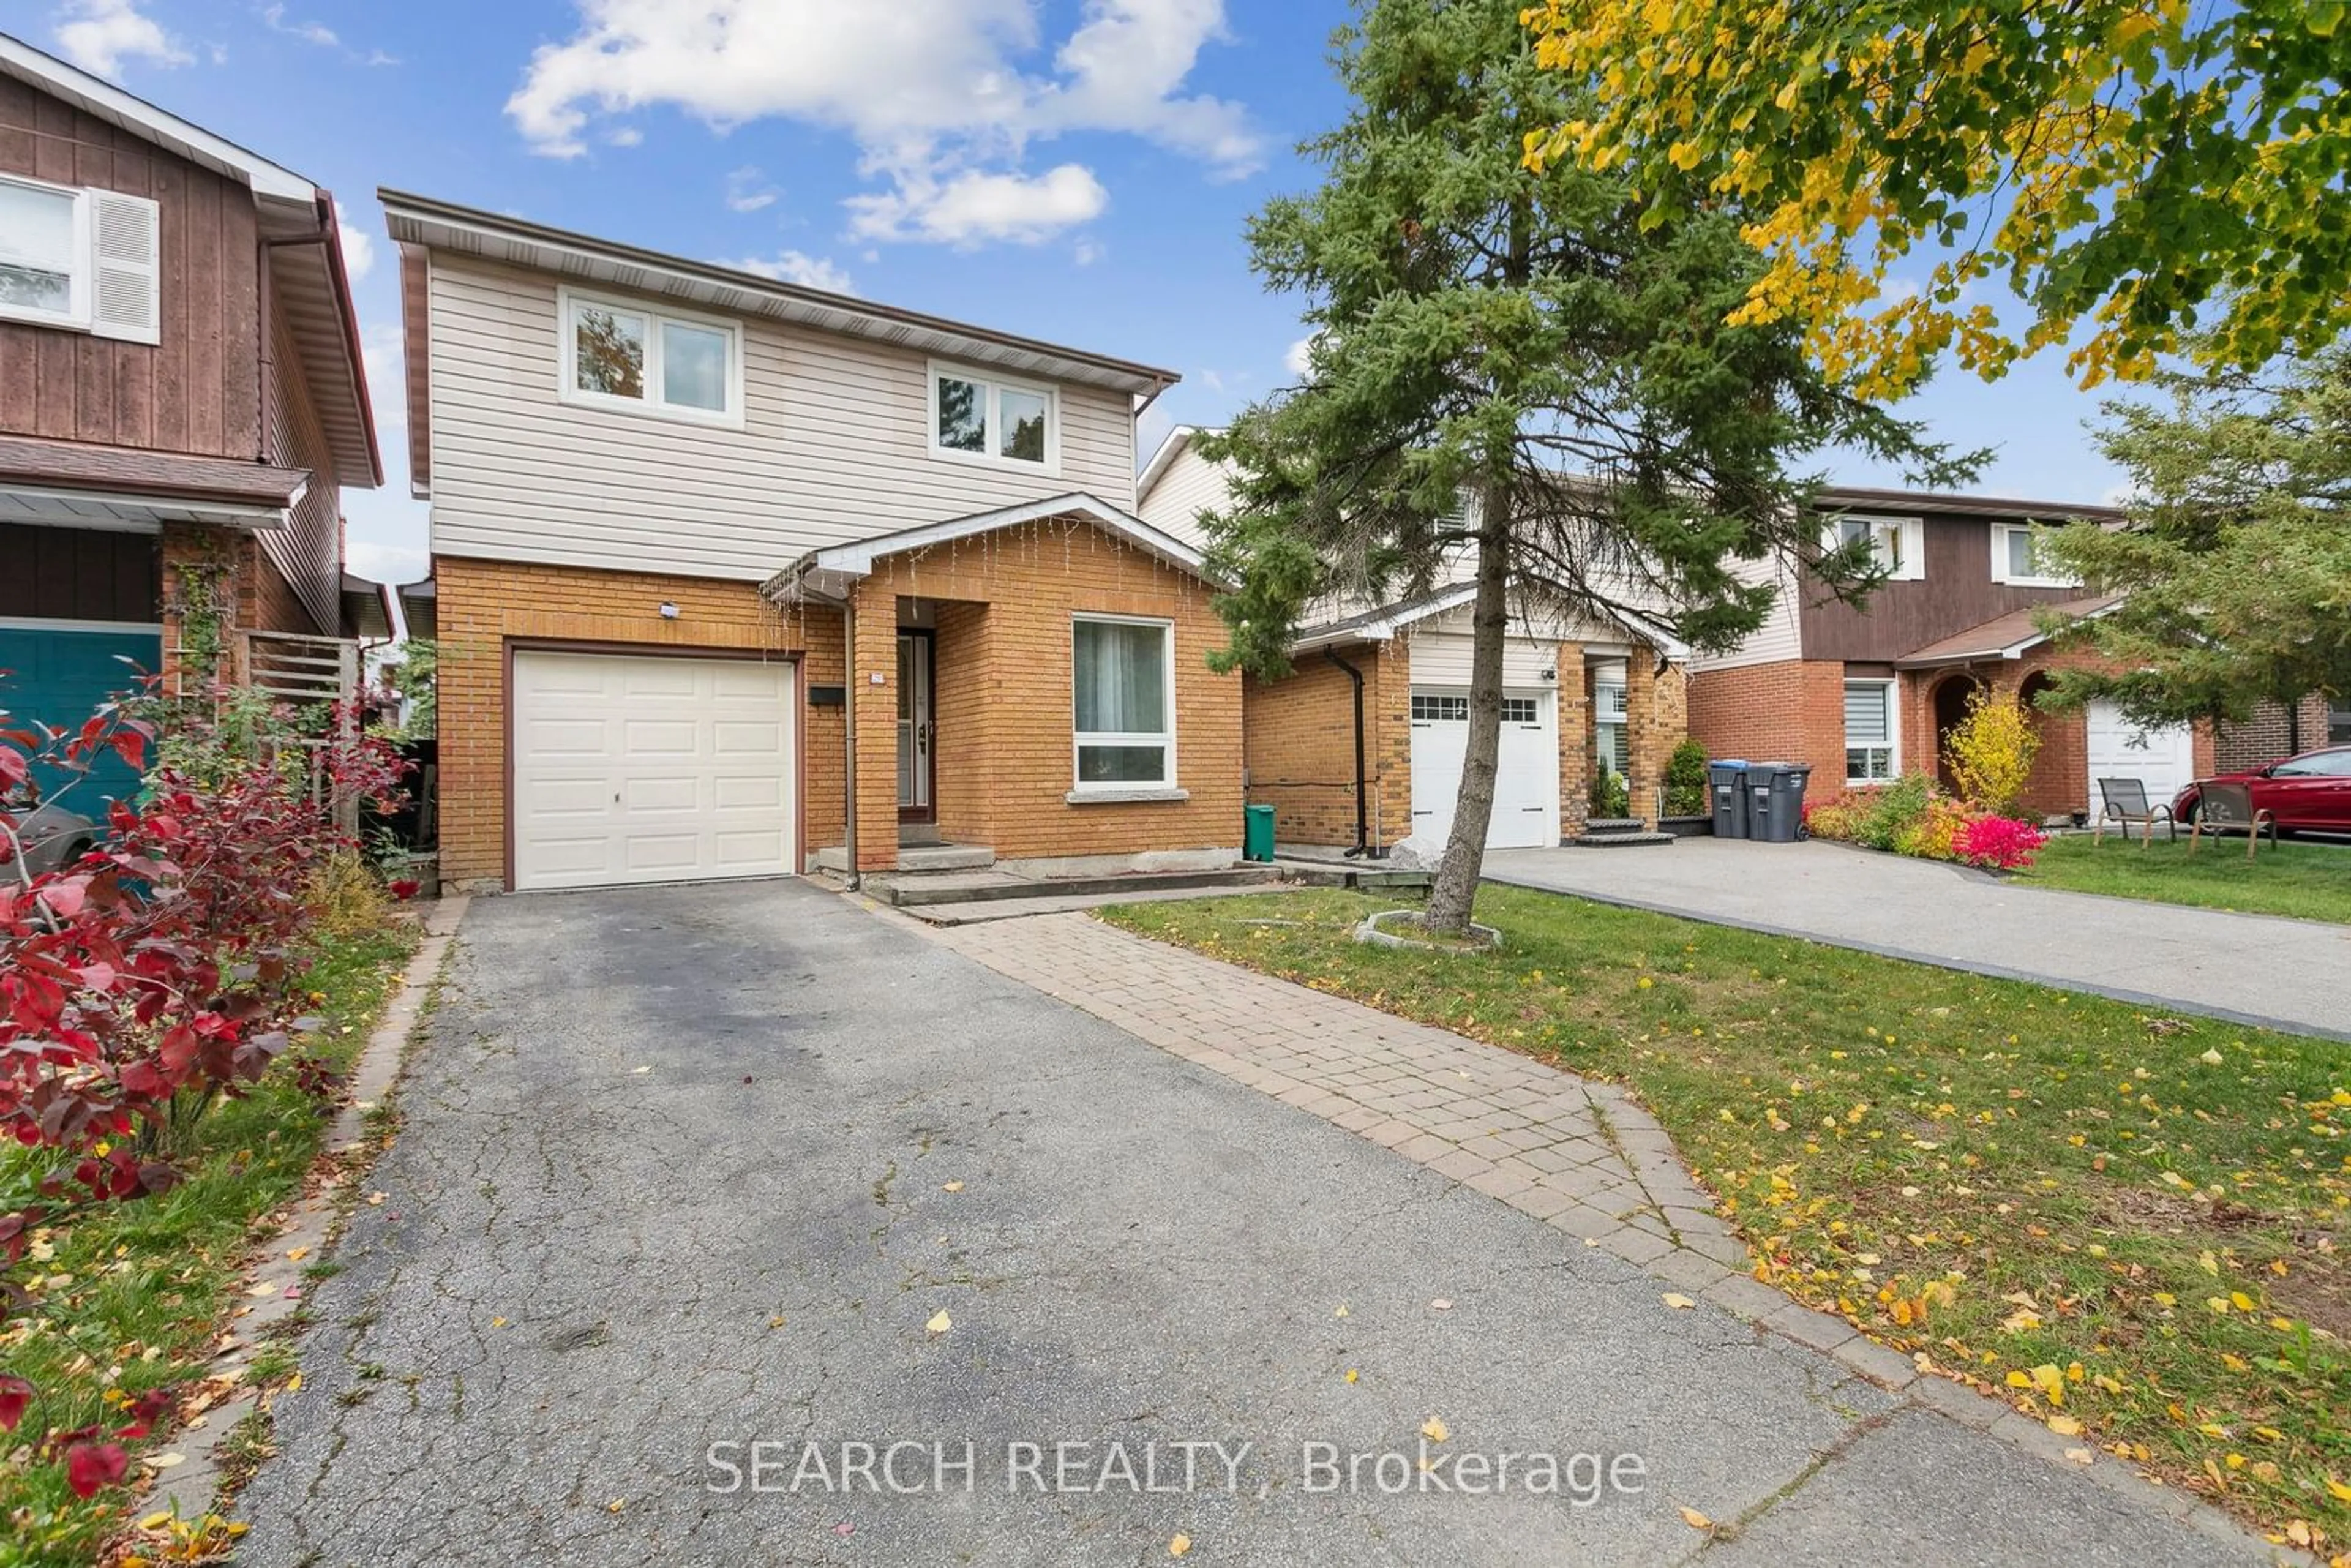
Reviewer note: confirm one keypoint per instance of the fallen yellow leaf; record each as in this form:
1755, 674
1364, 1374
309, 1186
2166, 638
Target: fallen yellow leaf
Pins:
1434, 1430
1350, 1375
940, 1322
1695, 1520
951, 1186
2065, 1426
1677, 1300
1178, 1546
296, 1254
294, 1383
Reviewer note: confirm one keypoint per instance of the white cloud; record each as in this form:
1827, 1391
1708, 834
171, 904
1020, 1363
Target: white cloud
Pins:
624, 136
748, 190
383, 355
972, 208
319, 33
384, 563
794, 266
1086, 252
943, 97
1300, 360
359, 253
99, 35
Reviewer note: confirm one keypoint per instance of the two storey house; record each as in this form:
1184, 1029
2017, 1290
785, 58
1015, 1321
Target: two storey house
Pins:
182, 401
1865, 693
736, 578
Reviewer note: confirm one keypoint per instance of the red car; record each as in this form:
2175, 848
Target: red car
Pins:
2310, 791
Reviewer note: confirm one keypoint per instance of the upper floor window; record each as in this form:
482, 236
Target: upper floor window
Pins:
82, 259
1898, 544
627, 356
2018, 559
977, 418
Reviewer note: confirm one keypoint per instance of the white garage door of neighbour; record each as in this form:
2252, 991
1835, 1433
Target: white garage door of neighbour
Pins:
2163, 758
637, 770
1526, 778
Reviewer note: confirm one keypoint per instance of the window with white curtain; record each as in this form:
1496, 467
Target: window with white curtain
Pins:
1125, 690
1898, 544
1869, 756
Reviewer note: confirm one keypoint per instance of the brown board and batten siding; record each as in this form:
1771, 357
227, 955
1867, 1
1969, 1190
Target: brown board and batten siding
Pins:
835, 447
1957, 592
199, 389
80, 574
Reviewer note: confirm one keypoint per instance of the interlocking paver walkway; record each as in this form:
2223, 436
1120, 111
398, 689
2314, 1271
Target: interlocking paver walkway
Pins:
1579, 1155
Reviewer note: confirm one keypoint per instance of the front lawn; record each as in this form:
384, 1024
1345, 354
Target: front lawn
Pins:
2131, 1224
132, 1297
2308, 882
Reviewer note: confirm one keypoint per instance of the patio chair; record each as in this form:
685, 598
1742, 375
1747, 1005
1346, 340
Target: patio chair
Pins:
2124, 801
2229, 808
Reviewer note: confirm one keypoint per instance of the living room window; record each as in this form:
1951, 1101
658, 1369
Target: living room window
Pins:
1869, 731
1125, 690
977, 418
86, 260
624, 356
2017, 560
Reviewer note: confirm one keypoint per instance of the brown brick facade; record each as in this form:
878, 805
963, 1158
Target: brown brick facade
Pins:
1005, 602
1793, 711
1002, 606
2271, 734
1300, 745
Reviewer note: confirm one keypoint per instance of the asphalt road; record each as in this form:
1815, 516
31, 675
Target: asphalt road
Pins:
674, 1172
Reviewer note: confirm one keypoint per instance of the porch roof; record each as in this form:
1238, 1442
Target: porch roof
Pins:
831, 574
74, 483
2009, 636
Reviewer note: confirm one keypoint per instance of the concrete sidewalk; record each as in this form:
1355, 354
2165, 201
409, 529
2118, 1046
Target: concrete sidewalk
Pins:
2258, 969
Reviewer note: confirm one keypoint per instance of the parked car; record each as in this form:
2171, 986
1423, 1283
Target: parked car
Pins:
2310, 791
52, 836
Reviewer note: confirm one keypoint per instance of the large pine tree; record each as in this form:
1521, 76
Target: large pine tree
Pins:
1539, 344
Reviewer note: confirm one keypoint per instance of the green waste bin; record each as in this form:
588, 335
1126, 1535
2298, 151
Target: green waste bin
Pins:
1257, 833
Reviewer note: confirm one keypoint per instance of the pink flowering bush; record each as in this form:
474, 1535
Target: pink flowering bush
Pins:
1999, 843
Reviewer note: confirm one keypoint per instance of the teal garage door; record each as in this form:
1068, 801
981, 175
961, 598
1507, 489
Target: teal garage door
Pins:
57, 678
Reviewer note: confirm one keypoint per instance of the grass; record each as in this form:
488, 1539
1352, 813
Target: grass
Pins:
2307, 882
133, 1297
2114, 1218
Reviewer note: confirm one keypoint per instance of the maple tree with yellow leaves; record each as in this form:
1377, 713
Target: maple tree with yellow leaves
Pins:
2131, 168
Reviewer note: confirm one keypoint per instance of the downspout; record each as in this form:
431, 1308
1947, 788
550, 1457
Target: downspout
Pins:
1362, 808
848, 731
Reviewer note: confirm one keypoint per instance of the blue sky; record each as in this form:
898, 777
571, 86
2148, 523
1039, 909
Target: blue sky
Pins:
1076, 169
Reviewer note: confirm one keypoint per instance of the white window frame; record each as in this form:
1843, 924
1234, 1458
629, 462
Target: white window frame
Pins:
1891, 745
83, 274
993, 386
567, 302
1081, 738
1909, 536
2002, 572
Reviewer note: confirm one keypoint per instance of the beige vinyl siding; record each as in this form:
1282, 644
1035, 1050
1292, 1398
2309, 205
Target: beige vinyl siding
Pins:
834, 448
309, 550
1187, 485
1441, 648
1777, 640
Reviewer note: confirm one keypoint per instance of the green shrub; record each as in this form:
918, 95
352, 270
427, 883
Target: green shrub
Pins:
1686, 781
1611, 797
1896, 809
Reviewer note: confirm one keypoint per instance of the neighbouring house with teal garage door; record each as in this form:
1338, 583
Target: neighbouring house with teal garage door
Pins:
182, 399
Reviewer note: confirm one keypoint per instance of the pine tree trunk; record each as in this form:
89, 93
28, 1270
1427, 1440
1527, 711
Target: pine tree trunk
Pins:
1464, 853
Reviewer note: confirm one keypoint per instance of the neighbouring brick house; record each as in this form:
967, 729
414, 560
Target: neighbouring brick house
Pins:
2276, 730
1577, 698
736, 578
1863, 695
181, 397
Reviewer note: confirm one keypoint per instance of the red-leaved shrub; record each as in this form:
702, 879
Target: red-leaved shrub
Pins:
2003, 844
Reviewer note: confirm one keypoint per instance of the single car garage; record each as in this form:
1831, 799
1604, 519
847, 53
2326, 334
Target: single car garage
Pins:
634, 768
1526, 773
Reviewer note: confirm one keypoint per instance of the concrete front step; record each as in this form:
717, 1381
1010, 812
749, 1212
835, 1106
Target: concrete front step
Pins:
1618, 840
1615, 825
907, 890
945, 857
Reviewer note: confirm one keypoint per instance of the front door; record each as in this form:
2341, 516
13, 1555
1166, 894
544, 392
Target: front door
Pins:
916, 761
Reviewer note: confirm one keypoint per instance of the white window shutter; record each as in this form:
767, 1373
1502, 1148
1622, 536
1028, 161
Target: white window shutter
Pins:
126, 244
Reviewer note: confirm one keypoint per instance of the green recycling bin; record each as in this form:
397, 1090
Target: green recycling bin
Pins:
1257, 833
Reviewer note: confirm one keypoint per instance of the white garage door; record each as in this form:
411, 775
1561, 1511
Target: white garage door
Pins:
629, 769
1526, 780
2162, 758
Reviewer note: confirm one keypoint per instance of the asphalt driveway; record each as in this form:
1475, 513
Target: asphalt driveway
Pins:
674, 1171
2292, 975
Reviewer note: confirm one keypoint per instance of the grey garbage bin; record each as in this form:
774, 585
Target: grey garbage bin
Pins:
1775, 801
1726, 784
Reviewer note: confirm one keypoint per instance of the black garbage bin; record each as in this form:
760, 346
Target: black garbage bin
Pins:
1726, 784
1775, 801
